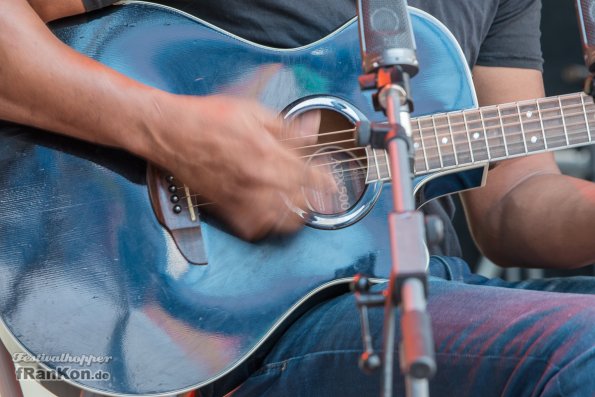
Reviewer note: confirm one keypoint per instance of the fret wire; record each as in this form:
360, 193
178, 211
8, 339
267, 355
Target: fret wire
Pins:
539, 130
550, 99
532, 132
452, 138
376, 163
543, 111
503, 134
423, 145
485, 134
585, 115
541, 122
437, 143
501, 117
468, 137
385, 164
578, 132
498, 158
518, 123
390, 176
365, 168
522, 128
453, 166
563, 121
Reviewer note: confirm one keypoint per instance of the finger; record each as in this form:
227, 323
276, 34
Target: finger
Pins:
275, 126
303, 130
320, 179
251, 227
291, 206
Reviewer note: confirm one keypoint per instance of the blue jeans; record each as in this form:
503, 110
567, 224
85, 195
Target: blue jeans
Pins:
493, 338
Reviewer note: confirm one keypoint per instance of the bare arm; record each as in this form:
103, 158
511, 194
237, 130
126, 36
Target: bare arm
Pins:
224, 148
49, 10
46, 84
529, 214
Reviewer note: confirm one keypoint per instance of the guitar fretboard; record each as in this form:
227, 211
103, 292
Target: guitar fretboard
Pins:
493, 133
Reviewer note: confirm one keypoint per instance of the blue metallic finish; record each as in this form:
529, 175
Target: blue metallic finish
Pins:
433, 186
85, 267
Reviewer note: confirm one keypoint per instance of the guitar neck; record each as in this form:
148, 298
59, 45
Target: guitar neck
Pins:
493, 133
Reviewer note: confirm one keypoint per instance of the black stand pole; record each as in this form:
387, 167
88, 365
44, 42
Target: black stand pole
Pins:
407, 287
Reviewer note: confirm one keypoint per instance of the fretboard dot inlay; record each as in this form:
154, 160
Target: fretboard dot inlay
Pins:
416, 145
494, 133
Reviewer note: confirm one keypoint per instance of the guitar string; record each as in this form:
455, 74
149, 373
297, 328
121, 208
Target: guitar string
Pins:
516, 114
430, 159
367, 167
492, 147
353, 173
319, 134
469, 131
310, 156
325, 144
457, 132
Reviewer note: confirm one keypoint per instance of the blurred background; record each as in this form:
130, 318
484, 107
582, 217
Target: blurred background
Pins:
564, 73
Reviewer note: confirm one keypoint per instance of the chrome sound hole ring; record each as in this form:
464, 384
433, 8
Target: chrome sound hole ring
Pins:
372, 190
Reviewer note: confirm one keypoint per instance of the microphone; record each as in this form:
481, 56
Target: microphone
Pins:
386, 36
586, 20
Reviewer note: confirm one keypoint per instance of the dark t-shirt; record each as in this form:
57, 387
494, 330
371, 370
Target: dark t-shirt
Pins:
491, 33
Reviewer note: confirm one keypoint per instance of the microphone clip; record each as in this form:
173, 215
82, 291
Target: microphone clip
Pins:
385, 77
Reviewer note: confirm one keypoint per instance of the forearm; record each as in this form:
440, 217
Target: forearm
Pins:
49, 10
545, 221
46, 84
528, 214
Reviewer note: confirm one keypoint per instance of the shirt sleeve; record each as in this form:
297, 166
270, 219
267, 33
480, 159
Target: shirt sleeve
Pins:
91, 5
513, 39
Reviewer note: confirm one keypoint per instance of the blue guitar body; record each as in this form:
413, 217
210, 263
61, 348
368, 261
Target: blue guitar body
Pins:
87, 266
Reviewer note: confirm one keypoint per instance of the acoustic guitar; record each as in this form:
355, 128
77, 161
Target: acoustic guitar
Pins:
102, 254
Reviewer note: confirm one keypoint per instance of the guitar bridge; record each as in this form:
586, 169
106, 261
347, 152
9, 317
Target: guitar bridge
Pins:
177, 209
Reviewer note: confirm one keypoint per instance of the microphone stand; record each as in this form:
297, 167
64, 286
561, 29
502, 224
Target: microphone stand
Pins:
407, 286
586, 23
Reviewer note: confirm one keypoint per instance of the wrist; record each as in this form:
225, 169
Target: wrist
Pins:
158, 142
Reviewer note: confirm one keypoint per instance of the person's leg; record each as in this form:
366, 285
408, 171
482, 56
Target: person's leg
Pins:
457, 270
491, 341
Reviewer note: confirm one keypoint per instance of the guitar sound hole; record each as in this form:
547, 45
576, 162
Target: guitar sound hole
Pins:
334, 152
